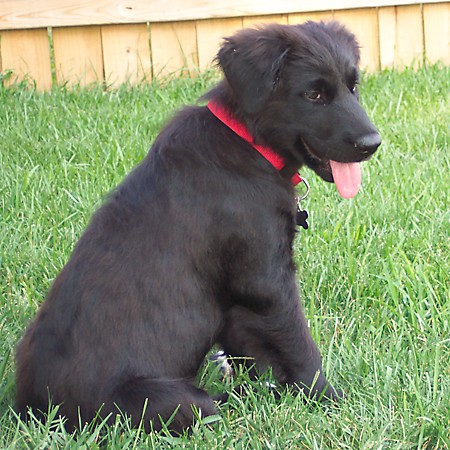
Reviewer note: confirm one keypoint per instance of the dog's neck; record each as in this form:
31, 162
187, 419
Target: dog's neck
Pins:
226, 117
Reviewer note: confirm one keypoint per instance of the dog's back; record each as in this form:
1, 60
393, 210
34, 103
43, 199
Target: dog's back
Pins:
134, 300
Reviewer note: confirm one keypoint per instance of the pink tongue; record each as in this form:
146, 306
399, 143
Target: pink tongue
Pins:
347, 178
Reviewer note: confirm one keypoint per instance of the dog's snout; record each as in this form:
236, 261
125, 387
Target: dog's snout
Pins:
368, 143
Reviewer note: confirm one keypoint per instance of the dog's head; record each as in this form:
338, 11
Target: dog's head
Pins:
296, 87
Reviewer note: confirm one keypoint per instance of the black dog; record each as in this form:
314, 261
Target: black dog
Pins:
194, 248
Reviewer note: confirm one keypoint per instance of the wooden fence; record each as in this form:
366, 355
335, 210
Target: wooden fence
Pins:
115, 41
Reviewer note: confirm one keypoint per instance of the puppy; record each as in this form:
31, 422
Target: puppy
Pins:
194, 247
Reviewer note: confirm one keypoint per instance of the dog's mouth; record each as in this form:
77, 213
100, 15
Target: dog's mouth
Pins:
345, 175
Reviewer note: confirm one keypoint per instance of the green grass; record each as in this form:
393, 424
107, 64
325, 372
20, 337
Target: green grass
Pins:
373, 272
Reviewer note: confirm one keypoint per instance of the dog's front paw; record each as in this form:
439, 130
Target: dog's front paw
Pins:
320, 390
330, 394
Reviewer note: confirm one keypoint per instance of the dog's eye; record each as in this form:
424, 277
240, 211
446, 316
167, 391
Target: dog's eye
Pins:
314, 95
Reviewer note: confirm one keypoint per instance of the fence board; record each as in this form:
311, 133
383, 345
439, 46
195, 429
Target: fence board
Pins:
436, 19
27, 54
209, 37
249, 22
126, 53
364, 24
78, 55
299, 18
174, 47
409, 36
387, 22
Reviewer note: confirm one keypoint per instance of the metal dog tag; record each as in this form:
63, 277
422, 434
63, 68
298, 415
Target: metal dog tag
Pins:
302, 215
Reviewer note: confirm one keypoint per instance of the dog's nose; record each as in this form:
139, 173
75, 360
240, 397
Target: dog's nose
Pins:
368, 144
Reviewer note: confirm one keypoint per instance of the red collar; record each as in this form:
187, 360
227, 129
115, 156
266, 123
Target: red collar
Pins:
241, 130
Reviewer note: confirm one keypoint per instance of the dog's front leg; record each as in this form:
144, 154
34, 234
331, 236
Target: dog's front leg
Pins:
273, 332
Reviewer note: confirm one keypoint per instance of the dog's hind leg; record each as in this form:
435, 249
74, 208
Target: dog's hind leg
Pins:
156, 400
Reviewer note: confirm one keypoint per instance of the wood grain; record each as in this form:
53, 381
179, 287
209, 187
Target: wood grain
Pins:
27, 54
387, 23
174, 48
409, 36
364, 24
209, 37
436, 19
299, 18
126, 54
78, 55
254, 21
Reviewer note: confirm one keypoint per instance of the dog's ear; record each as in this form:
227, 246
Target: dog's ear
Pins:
252, 61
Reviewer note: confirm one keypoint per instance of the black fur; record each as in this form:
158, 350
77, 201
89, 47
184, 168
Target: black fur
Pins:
194, 248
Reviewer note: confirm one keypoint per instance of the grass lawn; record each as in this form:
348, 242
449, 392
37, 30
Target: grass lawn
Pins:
373, 272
